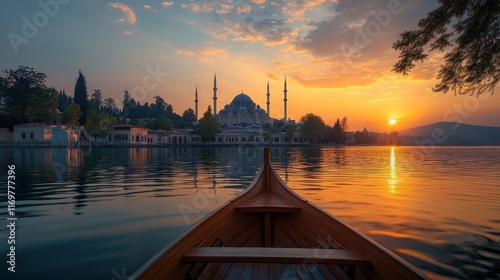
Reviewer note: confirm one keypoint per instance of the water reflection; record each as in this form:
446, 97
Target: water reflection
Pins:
118, 207
392, 174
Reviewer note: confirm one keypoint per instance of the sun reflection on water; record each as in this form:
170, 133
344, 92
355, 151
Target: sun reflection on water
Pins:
392, 174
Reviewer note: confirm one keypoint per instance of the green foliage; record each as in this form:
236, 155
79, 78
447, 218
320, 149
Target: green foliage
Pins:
110, 106
63, 101
81, 96
189, 116
469, 32
27, 97
269, 132
290, 132
72, 114
96, 100
208, 126
313, 127
337, 132
159, 123
98, 124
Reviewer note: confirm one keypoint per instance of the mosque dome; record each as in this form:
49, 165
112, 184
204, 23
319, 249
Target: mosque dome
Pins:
242, 97
243, 109
242, 100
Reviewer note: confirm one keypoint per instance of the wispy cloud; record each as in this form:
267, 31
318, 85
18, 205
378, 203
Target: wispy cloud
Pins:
129, 14
167, 4
147, 7
206, 54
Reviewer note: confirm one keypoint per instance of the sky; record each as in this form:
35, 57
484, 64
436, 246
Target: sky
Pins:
336, 55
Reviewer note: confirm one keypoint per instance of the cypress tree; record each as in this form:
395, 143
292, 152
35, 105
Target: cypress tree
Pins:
81, 96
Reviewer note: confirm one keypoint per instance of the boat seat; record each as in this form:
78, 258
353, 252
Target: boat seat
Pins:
267, 202
274, 255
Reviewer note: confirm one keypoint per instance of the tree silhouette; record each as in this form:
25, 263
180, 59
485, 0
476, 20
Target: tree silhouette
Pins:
313, 127
72, 114
81, 96
469, 33
27, 97
208, 126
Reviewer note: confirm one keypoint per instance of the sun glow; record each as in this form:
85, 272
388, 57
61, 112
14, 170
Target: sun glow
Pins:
392, 121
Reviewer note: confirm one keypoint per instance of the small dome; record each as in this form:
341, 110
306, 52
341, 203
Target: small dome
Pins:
223, 111
243, 110
261, 110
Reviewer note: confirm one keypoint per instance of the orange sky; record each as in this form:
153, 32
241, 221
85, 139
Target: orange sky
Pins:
337, 56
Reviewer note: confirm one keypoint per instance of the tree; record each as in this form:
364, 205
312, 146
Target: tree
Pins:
46, 108
189, 116
126, 97
469, 33
96, 100
268, 132
63, 101
160, 123
98, 124
159, 107
344, 125
26, 95
338, 132
313, 127
290, 132
72, 114
109, 105
208, 126
81, 96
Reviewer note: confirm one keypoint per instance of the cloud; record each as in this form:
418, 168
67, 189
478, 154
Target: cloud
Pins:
128, 12
321, 43
127, 32
206, 54
147, 7
167, 4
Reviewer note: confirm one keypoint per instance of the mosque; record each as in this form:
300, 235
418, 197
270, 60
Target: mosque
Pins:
242, 111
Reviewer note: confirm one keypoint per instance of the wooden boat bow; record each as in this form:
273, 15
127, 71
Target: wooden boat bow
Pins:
270, 232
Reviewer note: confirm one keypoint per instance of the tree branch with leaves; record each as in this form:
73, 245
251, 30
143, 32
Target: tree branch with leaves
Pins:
469, 34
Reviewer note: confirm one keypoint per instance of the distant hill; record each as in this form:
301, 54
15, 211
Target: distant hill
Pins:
448, 133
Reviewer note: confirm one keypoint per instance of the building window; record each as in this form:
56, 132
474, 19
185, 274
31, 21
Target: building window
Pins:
23, 135
109, 137
126, 136
32, 135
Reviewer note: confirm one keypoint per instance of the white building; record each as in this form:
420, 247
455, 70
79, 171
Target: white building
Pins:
32, 133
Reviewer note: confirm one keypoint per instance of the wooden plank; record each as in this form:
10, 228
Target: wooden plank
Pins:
274, 255
267, 230
267, 202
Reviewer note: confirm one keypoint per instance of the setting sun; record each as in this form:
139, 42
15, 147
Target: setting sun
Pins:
392, 121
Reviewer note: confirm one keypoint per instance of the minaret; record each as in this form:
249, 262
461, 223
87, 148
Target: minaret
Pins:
285, 100
268, 102
215, 95
196, 103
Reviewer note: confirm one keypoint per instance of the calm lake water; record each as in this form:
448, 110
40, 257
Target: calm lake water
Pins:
101, 213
